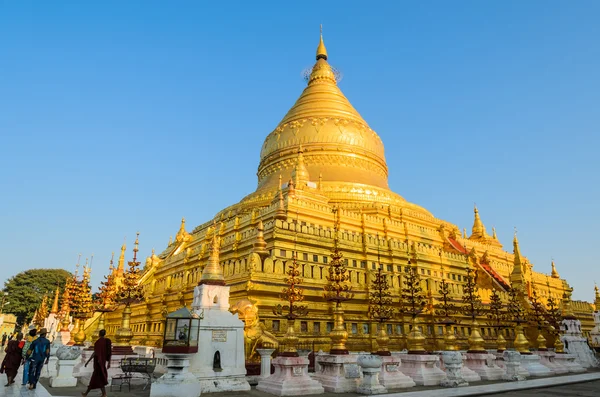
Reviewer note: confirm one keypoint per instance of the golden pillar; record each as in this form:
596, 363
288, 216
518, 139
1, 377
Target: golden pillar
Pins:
500, 342
476, 341
78, 334
449, 339
124, 334
290, 340
338, 334
416, 340
74, 331
521, 343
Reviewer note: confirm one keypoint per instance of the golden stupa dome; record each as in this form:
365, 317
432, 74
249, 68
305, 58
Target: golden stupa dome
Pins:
331, 136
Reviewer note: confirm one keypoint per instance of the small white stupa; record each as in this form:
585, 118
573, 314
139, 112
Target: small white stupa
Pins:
220, 363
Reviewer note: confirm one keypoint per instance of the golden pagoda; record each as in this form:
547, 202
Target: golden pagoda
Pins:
323, 155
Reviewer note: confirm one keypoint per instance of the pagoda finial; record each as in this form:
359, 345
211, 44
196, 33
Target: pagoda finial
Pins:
597, 297
494, 235
260, 246
478, 230
121, 264
300, 174
516, 275
554, 273
55, 303
321, 50
213, 272
135, 246
110, 267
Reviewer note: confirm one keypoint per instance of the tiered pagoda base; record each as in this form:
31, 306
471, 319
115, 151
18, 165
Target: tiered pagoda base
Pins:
339, 373
484, 364
422, 368
290, 378
547, 358
531, 362
568, 361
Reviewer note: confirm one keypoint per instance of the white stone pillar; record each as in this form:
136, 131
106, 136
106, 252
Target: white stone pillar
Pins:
265, 362
67, 356
453, 362
371, 366
512, 364
178, 381
64, 377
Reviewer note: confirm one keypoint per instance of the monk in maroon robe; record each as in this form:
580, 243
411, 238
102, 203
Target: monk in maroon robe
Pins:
12, 360
101, 357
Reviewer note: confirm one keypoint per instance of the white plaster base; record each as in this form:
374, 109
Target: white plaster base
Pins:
422, 368
531, 362
484, 365
64, 377
547, 358
290, 378
468, 373
178, 381
339, 373
453, 363
51, 369
568, 361
81, 371
391, 377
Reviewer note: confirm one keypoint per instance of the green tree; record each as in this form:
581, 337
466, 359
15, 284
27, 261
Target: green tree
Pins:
26, 291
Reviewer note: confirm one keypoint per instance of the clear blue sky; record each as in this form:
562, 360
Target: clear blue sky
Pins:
119, 116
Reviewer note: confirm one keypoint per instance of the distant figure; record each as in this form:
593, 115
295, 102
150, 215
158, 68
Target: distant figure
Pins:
101, 356
31, 336
38, 354
12, 360
4, 336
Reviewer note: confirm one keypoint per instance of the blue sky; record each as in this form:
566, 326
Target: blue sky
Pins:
124, 116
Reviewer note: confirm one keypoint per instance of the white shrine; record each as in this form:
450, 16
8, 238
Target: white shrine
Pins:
219, 364
576, 344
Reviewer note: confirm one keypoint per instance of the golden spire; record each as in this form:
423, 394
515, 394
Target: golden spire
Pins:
135, 246
300, 174
213, 272
121, 264
54, 309
554, 273
280, 213
111, 267
321, 50
494, 236
478, 230
260, 246
597, 300
516, 277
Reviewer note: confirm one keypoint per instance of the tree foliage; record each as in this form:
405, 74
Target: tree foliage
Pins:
27, 289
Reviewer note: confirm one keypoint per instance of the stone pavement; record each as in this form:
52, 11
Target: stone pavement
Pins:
584, 389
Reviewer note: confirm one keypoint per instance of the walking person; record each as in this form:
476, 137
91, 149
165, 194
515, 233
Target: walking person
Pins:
30, 338
38, 355
4, 339
12, 360
101, 357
